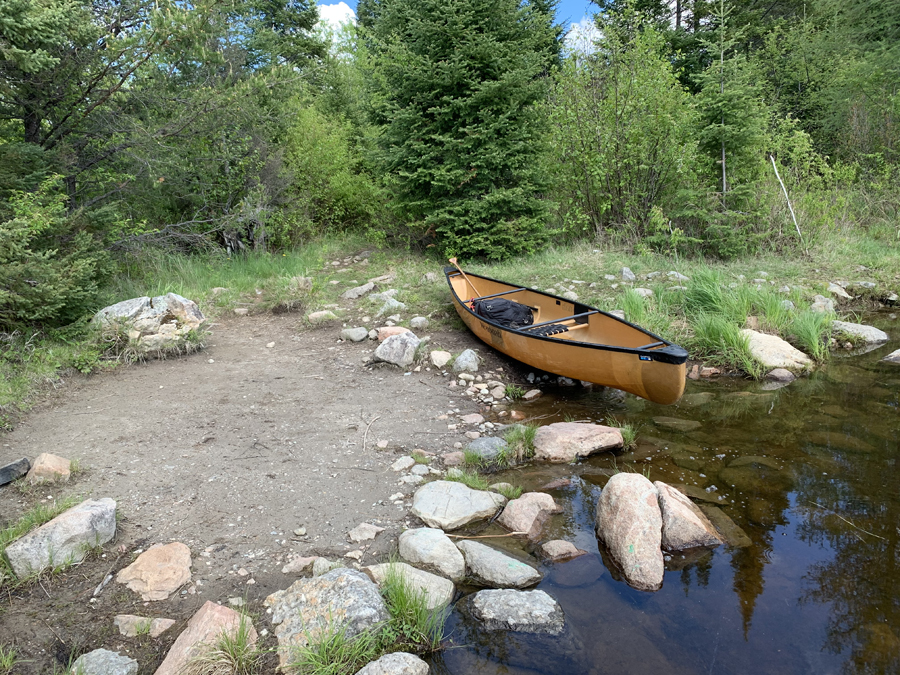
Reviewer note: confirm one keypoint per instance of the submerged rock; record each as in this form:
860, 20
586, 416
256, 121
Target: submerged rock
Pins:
733, 534
629, 523
683, 524
522, 611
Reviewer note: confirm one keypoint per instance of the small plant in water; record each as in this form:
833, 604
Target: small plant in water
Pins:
514, 393
509, 491
470, 479
628, 431
520, 442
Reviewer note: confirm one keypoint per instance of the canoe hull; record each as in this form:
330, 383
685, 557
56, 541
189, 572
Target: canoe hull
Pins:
649, 374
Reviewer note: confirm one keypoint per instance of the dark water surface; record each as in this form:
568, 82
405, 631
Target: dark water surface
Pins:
809, 472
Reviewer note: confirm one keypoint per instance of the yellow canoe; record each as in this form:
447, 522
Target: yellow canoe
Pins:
578, 341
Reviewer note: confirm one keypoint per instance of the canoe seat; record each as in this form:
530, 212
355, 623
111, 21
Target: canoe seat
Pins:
548, 329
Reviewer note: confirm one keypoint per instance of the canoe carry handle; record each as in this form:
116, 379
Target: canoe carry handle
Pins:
453, 262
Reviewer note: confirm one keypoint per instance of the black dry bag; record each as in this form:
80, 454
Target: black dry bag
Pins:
504, 312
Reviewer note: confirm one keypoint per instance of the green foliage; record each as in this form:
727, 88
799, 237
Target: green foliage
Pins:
470, 478
514, 392
509, 491
454, 93
232, 653
812, 330
413, 626
623, 143
520, 441
8, 659
718, 340
629, 432
46, 277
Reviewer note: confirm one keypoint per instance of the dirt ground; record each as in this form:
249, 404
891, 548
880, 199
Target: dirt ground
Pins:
271, 428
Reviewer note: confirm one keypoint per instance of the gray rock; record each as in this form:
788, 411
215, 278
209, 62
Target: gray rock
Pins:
558, 550
732, 533
675, 276
487, 447
618, 313
398, 663
355, 334
466, 362
868, 334
384, 295
14, 470
834, 289
490, 567
309, 608
644, 292
571, 295
893, 357
152, 324
440, 358
403, 463
438, 591
450, 505
104, 662
630, 524
399, 350
390, 306
522, 611
780, 375
788, 305
323, 316
773, 352
864, 284
628, 275
358, 292
322, 566
66, 538
683, 524
433, 550
418, 323
364, 532
676, 423
420, 470
822, 304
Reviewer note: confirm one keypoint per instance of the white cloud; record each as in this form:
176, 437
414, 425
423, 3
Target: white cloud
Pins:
581, 36
335, 15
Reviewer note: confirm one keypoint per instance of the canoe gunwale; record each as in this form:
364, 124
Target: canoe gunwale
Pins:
670, 353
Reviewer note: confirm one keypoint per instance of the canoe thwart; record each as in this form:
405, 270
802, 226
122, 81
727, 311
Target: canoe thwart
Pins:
651, 345
561, 320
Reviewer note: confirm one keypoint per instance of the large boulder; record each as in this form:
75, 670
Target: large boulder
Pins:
567, 441
857, 331
683, 524
14, 470
430, 548
773, 352
522, 611
629, 523
437, 591
450, 505
398, 663
104, 662
399, 350
528, 513
488, 448
489, 567
65, 539
152, 324
158, 572
307, 610
208, 624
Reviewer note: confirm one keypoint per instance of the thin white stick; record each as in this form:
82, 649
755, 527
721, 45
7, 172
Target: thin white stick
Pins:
786, 198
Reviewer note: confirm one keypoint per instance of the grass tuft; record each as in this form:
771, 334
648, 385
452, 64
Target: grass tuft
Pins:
233, 653
629, 432
812, 330
509, 491
514, 392
470, 479
8, 660
520, 441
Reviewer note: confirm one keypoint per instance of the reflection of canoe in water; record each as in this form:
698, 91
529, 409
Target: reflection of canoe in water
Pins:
574, 340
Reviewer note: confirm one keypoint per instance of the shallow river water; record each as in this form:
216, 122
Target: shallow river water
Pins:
809, 472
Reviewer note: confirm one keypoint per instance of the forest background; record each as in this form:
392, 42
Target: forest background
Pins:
134, 132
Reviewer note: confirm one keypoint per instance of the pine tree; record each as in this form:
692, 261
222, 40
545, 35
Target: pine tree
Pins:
456, 83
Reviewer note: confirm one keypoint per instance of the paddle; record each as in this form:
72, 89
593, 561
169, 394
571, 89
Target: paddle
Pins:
453, 262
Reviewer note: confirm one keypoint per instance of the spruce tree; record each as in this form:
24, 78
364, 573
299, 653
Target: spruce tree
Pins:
455, 86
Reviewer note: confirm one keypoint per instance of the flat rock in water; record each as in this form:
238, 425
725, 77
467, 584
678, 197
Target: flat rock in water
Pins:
438, 591
838, 440
893, 357
467, 362
676, 423
521, 611
49, 468
780, 375
450, 505
567, 441
528, 513
311, 607
683, 524
14, 470
158, 572
490, 567
104, 662
398, 663
487, 447
868, 334
630, 524
66, 538
773, 352
558, 550
432, 549
207, 625
398, 350
731, 532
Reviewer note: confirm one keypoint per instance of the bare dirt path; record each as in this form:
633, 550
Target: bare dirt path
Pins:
273, 427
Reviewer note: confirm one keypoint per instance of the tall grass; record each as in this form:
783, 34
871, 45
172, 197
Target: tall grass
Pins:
812, 330
719, 341
233, 653
30, 520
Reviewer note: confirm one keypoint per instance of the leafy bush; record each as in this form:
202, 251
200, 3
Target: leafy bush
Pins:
48, 273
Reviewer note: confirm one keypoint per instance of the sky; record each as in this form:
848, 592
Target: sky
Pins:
569, 11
